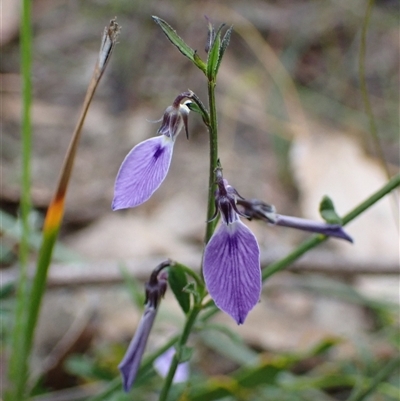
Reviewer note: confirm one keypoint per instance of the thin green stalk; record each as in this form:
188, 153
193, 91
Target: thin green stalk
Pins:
213, 131
287, 260
392, 184
191, 319
318, 239
18, 365
31, 302
386, 371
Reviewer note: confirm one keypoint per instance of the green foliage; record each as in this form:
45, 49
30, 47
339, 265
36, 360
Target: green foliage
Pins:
327, 211
257, 375
179, 43
177, 281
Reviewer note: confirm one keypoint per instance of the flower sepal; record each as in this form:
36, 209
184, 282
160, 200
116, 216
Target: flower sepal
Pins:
257, 209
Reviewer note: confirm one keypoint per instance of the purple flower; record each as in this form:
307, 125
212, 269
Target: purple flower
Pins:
163, 363
155, 290
231, 264
146, 165
256, 209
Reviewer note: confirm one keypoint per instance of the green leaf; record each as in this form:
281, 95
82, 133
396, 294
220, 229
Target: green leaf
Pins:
178, 281
193, 107
179, 43
191, 288
213, 56
327, 211
199, 62
224, 45
198, 107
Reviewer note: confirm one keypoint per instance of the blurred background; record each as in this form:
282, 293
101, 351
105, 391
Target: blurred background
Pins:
292, 129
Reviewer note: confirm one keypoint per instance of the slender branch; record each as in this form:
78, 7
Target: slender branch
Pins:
213, 131
53, 220
392, 184
191, 319
317, 239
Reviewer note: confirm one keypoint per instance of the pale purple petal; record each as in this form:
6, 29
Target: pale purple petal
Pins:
332, 230
163, 363
142, 172
232, 269
129, 365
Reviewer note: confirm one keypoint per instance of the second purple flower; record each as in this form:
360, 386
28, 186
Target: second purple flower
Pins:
146, 165
231, 263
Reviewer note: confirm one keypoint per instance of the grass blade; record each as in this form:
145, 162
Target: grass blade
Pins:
17, 369
52, 224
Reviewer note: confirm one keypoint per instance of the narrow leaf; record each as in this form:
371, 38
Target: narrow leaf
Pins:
213, 56
178, 281
327, 211
52, 225
224, 45
210, 35
179, 43
193, 107
199, 62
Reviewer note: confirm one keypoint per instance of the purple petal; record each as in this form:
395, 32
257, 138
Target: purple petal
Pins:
232, 269
332, 230
163, 363
142, 172
129, 365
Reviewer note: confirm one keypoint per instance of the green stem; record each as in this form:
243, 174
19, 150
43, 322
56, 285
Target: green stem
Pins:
213, 131
18, 364
392, 184
318, 239
191, 319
